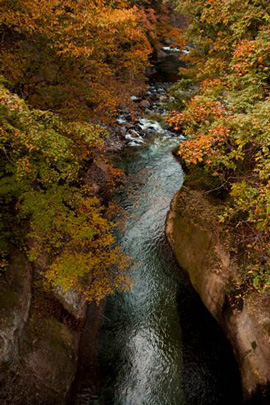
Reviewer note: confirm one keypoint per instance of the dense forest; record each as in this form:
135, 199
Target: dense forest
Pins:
67, 68
71, 72
224, 112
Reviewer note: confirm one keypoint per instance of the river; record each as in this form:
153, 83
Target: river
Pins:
158, 343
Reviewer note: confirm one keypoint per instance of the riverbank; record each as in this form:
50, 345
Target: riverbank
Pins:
202, 249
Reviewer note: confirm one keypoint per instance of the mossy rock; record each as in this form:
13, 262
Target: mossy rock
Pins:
49, 357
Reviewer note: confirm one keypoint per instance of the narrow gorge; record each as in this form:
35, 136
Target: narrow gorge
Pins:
135, 202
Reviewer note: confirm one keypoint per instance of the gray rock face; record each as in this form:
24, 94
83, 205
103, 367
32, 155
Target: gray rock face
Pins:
38, 352
249, 332
48, 363
73, 302
15, 298
203, 253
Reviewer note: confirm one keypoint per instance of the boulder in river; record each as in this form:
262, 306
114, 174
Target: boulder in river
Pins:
145, 104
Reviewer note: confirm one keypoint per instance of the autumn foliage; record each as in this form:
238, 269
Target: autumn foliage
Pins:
67, 67
42, 190
226, 118
77, 58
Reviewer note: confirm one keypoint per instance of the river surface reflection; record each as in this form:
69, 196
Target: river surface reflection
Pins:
159, 345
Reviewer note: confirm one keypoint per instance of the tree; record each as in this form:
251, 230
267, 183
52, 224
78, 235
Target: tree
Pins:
46, 206
226, 118
77, 58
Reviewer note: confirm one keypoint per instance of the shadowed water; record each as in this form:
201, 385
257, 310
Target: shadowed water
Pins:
159, 346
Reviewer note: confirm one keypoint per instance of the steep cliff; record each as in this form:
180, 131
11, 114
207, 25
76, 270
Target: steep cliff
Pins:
202, 248
39, 339
40, 330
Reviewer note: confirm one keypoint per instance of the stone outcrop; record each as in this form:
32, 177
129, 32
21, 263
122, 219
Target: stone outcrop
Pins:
73, 302
39, 340
15, 298
203, 251
47, 364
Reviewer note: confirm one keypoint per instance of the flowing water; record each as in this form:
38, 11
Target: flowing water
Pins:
158, 343
159, 346
142, 326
